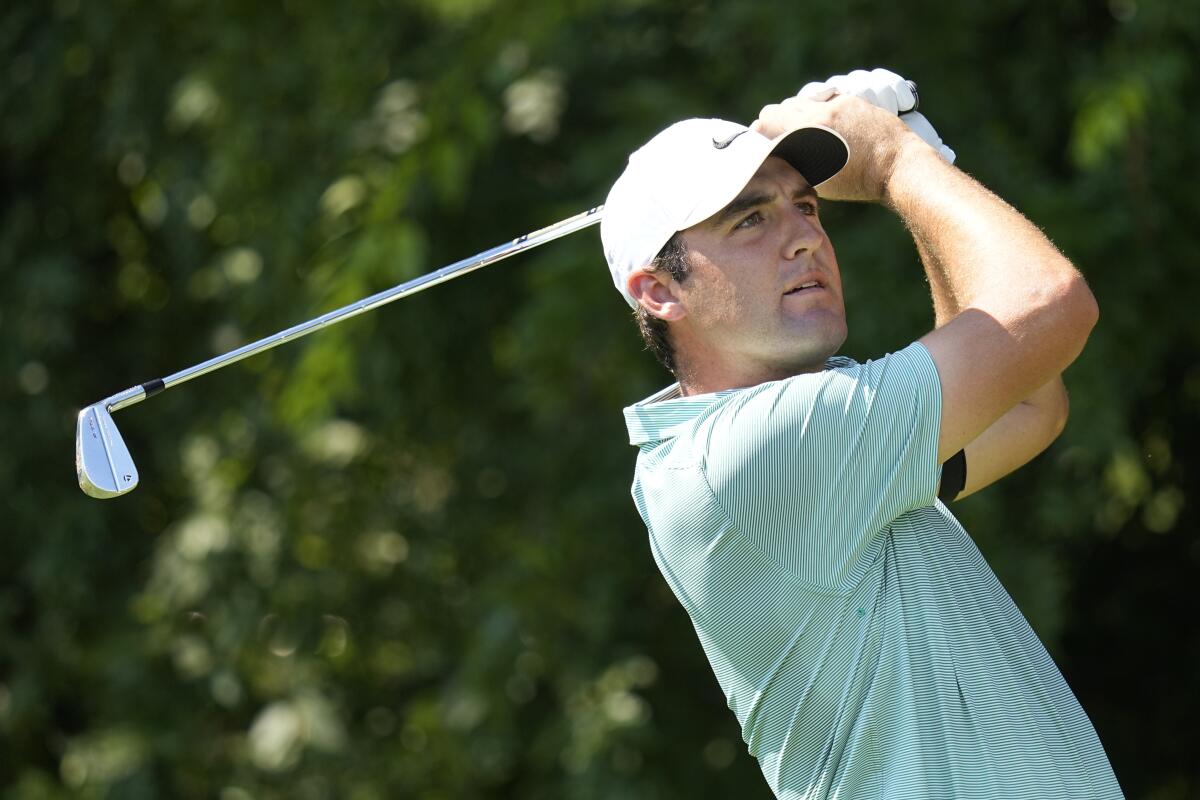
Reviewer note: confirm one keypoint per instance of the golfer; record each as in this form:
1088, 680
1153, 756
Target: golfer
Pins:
795, 499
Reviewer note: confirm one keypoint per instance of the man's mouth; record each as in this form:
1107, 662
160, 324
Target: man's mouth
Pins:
804, 287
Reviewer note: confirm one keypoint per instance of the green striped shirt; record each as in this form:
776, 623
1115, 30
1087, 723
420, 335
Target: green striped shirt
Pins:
860, 638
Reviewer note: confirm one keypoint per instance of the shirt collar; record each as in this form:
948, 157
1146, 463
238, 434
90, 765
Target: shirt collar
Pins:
662, 414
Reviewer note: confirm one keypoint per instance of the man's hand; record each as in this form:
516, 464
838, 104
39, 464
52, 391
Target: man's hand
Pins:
876, 140
883, 88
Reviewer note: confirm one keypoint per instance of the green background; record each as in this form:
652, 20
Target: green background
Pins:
399, 558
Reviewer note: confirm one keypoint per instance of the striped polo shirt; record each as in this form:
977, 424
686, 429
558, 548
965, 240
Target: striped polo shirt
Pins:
862, 641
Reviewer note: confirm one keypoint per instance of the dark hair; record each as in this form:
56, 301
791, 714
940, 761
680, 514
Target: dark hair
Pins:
672, 259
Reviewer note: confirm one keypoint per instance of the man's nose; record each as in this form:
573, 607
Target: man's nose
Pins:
804, 233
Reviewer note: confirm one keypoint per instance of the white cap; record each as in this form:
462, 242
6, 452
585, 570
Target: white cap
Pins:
692, 170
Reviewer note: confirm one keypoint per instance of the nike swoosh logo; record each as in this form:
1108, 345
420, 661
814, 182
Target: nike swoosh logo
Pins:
721, 145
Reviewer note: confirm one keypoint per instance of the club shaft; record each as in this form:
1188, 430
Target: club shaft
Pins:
136, 394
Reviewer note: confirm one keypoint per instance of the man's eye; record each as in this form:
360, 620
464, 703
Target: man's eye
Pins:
808, 207
750, 221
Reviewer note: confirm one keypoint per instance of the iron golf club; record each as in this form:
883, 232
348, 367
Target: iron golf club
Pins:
102, 461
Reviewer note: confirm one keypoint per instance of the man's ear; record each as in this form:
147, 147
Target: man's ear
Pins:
653, 291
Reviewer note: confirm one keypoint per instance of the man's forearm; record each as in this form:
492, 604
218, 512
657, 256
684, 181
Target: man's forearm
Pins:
945, 304
978, 251
1050, 398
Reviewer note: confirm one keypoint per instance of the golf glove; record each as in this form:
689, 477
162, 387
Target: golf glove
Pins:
887, 90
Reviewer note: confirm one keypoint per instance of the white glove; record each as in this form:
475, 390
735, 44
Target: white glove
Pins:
921, 127
878, 87
884, 89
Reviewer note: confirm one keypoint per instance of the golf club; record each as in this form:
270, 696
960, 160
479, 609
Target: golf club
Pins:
102, 461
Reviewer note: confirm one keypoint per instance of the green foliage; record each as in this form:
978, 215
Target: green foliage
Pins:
399, 559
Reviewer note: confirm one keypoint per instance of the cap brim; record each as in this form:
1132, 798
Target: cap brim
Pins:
818, 153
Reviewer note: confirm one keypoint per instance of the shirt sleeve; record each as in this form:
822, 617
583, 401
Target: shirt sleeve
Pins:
813, 469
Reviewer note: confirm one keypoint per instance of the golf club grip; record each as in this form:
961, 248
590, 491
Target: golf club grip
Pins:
912, 86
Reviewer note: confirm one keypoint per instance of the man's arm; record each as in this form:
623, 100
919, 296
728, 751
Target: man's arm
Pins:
1025, 311
1022, 433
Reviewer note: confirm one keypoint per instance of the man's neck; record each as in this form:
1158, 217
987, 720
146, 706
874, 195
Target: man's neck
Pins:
712, 377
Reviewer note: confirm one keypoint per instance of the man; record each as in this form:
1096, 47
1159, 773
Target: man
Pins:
791, 496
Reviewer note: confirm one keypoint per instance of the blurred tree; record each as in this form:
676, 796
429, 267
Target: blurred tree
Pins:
399, 558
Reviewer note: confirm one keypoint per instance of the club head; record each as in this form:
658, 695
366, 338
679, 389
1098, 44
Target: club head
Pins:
102, 460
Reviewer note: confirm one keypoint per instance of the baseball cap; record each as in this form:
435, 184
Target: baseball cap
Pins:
690, 171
